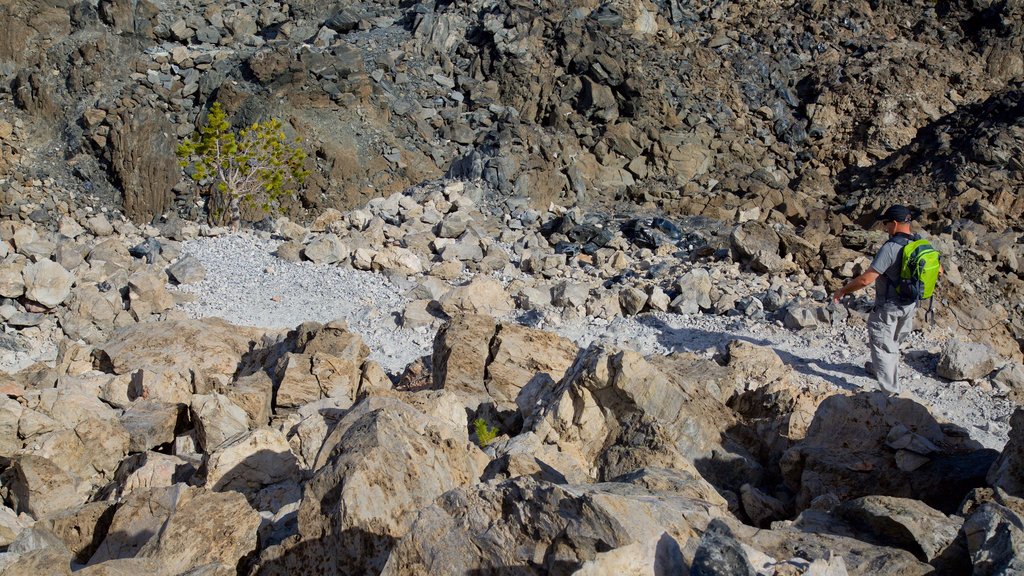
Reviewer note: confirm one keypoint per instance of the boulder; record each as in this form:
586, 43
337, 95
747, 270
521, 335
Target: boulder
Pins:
187, 270
458, 359
751, 238
152, 423
995, 538
47, 283
799, 317
80, 529
632, 300
203, 348
398, 260
1007, 473
908, 524
524, 361
147, 470
201, 517
961, 360
694, 292
38, 486
326, 249
847, 452
147, 293
482, 295
217, 420
251, 462
367, 493
525, 522
99, 225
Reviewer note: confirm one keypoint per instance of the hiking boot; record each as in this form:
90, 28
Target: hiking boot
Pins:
869, 368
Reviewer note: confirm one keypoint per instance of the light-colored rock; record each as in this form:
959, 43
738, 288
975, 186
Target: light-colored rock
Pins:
47, 283
99, 225
694, 288
398, 260
217, 420
151, 423
188, 270
12, 283
38, 486
251, 462
368, 492
204, 347
525, 361
632, 300
327, 249
995, 538
962, 360
147, 293
483, 295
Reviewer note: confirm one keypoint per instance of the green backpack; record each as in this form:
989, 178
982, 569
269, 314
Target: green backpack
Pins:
919, 271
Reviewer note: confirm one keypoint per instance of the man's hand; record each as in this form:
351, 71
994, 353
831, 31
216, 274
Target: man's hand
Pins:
838, 295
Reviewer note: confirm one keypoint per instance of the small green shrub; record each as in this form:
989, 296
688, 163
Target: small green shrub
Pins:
257, 167
484, 433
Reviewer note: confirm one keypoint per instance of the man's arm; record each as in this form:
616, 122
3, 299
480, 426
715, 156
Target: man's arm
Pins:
865, 279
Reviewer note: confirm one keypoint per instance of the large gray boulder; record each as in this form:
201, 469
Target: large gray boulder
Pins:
908, 524
961, 360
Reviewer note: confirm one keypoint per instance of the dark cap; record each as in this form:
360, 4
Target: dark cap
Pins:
896, 213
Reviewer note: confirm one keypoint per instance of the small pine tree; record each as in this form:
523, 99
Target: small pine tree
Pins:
256, 167
484, 434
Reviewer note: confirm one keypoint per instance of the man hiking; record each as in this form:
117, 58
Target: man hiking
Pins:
892, 317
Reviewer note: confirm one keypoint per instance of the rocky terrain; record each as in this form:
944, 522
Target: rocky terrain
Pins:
604, 231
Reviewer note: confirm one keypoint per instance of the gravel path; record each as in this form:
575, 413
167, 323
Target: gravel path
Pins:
247, 285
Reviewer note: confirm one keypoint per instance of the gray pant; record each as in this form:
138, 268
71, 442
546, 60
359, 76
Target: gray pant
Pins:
888, 324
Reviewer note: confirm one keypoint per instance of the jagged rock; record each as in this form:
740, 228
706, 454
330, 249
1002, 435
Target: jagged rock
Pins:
251, 462
458, 359
908, 524
147, 470
844, 453
364, 455
694, 290
800, 318
995, 538
962, 360
37, 486
140, 515
217, 420
528, 520
566, 294
81, 528
203, 348
1007, 472
524, 361
753, 238
47, 283
188, 270
253, 393
762, 508
151, 423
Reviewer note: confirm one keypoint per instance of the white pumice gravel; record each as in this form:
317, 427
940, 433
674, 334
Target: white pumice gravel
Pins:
247, 285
